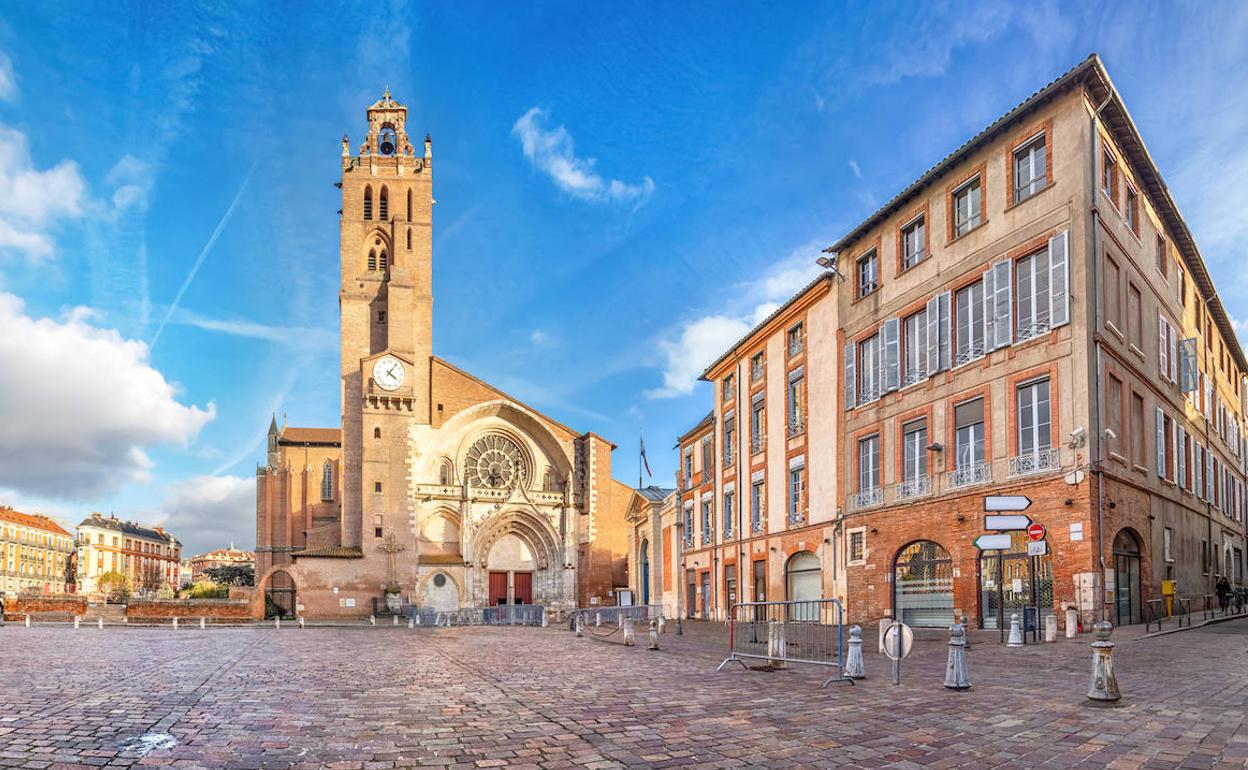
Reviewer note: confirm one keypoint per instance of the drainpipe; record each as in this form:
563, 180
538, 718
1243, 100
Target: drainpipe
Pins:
1094, 126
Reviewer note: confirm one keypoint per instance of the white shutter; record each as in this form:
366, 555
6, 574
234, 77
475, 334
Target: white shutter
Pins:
990, 300
1174, 355
1002, 304
1161, 443
1180, 453
933, 336
1059, 281
1198, 459
1209, 480
1208, 399
945, 305
892, 354
851, 383
1162, 346
1175, 451
1187, 367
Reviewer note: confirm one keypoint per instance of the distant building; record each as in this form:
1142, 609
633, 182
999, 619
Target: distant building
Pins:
185, 572
35, 553
221, 557
148, 556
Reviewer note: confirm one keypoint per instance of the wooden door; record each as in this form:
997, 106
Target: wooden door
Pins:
524, 588
498, 588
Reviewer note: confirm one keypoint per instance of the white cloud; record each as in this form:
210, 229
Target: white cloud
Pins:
702, 340
551, 151
206, 512
854, 167
294, 337
80, 406
8, 80
540, 339
132, 179
33, 201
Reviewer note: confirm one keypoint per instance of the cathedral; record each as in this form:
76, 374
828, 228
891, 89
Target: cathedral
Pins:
438, 490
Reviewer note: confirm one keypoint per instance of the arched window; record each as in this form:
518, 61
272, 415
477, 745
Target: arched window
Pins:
327, 481
376, 432
409, 206
409, 239
444, 473
368, 202
383, 261
384, 201
372, 259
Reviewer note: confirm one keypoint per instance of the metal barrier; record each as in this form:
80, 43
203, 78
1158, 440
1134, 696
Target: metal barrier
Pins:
805, 631
597, 616
501, 615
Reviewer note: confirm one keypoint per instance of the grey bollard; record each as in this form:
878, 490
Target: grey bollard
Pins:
654, 635
957, 675
1050, 628
545, 620
277, 622
175, 624
630, 638
28, 620
396, 620
680, 627
1016, 632
301, 621
597, 619
579, 623
100, 623
417, 618
372, 620
1072, 622
202, 624
1104, 685
77, 621
619, 619
775, 644
411, 622
662, 625
854, 667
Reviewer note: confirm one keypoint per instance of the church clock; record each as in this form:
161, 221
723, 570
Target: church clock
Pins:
388, 373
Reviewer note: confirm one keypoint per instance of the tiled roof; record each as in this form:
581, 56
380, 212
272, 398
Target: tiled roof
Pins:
292, 435
655, 494
332, 552
705, 421
128, 527
38, 521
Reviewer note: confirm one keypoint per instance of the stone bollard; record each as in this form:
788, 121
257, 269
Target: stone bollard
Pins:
579, 623
100, 623
775, 644
662, 625
854, 668
277, 623
175, 624
411, 622
28, 620
597, 619
301, 621
372, 620
1104, 685
77, 621
202, 624
654, 635
1016, 632
680, 627
417, 618
1072, 622
396, 620
1050, 628
957, 675
630, 638
619, 619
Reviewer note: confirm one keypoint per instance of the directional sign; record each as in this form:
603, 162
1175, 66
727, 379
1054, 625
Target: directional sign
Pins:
993, 542
1007, 522
1035, 532
1006, 502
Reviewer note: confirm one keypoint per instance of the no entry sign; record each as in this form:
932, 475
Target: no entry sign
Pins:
1035, 532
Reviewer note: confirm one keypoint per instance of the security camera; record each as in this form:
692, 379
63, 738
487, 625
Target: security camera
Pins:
1077, 437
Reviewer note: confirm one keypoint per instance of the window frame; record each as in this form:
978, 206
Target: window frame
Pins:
870, 257
1035, 183
958, 226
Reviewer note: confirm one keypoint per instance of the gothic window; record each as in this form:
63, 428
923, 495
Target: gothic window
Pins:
409, 207
497, 462
376, 432
409, 239
549, 482
327, 481
372, 259
444, 473
384, 264
384, 204
368, 202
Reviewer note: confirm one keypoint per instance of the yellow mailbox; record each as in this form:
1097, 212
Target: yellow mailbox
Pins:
1167, 590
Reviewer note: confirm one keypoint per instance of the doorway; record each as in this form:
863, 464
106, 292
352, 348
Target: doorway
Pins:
706, 596
279, 596
804, 576
498, 588
1012, 582
923, 585
1126, 578
523, 588
645, 572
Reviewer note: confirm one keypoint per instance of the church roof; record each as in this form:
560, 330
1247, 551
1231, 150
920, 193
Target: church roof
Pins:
292, 435
386, 102
332, 552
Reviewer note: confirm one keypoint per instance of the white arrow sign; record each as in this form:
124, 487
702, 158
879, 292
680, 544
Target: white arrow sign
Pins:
993, 542
1006, 503
1007, 522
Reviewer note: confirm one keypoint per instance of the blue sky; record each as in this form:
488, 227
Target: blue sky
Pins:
621, 190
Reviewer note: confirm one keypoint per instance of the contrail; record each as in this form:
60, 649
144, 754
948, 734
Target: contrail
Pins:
203, 254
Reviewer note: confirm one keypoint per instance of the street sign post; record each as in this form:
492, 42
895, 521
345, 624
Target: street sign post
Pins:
1035, 532
898, 641
1006, 502
1007, 522
993, 542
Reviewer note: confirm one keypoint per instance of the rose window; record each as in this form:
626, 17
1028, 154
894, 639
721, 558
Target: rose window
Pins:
495, 462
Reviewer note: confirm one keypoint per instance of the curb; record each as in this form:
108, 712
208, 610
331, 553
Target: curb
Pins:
1194, 626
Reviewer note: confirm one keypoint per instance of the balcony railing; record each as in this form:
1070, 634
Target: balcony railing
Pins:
797, 426
916, 487
1036, 462
795, 346
968, 354
756, 523
758, 444
867, 498
688, 539
706, 537
868, 393
970, 475
1034, 329
729, 533
914, 376
797, 517
728, 459
706, 475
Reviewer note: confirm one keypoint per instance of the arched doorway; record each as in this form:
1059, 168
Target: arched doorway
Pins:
804, 580
1127, 597
923, 585
511, 567
279, 596
644, 561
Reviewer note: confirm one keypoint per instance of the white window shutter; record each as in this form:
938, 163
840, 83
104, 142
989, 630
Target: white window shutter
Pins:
1180, 454
1209, 480
1187, 365
1002, 304
1059, 280
1162, 346
851, 383
945, 305
933, 336
1174, 354
1197, 462
892, 354
1175, 451
990, 303
1161, 443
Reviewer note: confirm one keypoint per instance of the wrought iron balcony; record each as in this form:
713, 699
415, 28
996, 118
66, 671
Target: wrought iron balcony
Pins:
970, 475
1036, 462
796, 517
916, 487
756, 524
868, 393
796, 345
688, 539
706, 475
914, 376
728, 458
758, 444
867, 498
1034, 329
797, 426
968, 354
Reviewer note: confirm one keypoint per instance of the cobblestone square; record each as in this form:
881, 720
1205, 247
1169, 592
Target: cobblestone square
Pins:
255, 697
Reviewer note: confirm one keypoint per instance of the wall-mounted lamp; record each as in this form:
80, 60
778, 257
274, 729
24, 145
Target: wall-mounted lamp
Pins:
875, 531
1112, 505
935, 447
827, 541
961, 517
1069, 501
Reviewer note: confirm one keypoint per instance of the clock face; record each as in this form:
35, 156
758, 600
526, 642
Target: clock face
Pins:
388, 373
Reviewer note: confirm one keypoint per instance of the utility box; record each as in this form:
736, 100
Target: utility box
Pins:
1167, 591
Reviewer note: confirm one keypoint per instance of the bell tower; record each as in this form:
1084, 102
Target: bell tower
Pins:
386, 308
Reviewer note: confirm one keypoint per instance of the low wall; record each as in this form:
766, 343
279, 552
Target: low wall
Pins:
44, 607
165, 610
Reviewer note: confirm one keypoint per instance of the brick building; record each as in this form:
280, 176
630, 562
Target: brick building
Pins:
437, 489
220, 557
1030, 317
148, 557
36, 554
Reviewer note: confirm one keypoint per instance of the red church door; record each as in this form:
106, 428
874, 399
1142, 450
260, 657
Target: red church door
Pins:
524, 588
498, 588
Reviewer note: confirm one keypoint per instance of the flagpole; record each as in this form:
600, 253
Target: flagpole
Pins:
640, 443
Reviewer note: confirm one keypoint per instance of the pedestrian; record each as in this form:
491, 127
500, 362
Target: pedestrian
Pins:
1, 609
1224, 593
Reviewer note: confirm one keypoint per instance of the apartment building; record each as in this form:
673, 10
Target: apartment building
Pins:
36, 554
759, 522
652, 551
148, 557
1032, 317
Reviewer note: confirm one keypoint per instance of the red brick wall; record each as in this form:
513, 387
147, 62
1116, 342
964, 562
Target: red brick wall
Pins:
18, 608
213, 609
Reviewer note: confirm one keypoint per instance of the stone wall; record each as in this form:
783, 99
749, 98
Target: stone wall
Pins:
39, 606
164, 610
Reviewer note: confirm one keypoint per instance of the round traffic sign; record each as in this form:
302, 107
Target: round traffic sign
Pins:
891, 640
1035, 531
